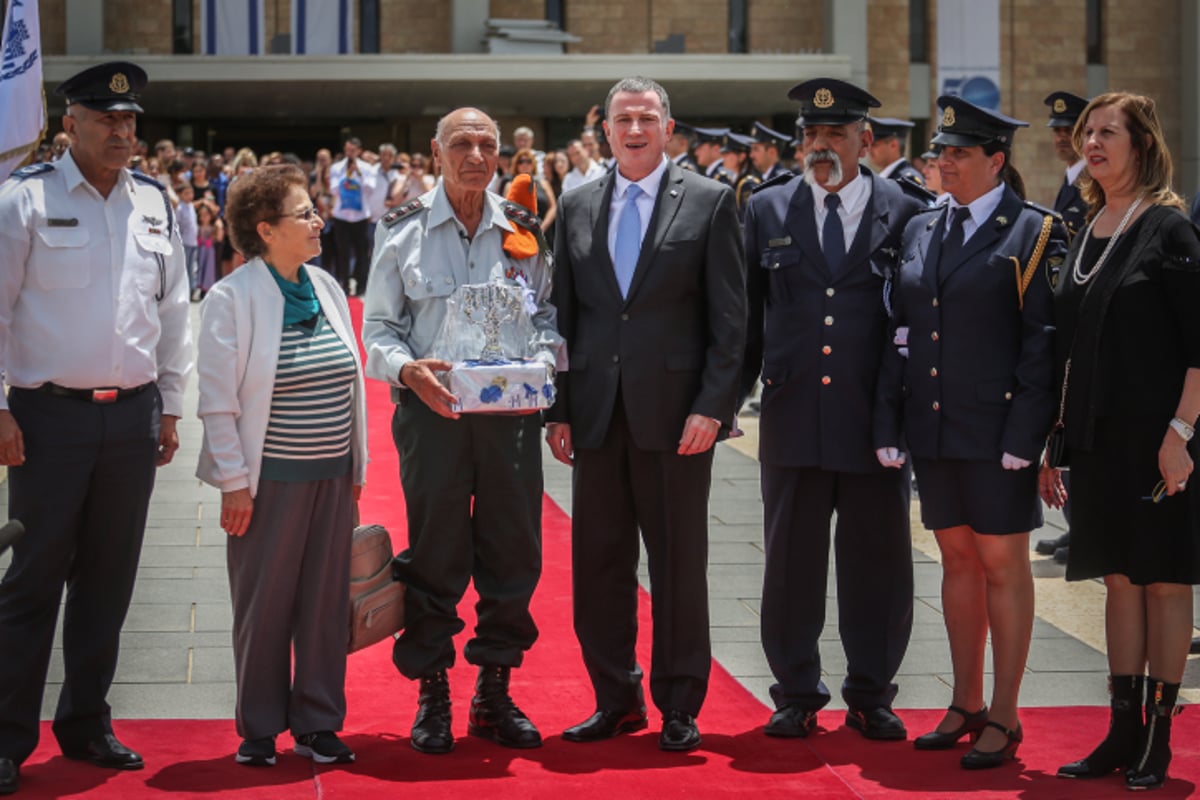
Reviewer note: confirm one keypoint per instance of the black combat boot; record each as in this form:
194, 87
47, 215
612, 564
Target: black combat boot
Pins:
1150, 769
431, 729
1119, 749
495, 716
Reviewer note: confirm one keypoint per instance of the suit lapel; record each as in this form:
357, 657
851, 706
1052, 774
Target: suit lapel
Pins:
931, 250
600, 206
801, 225
670, 196
987, 234
873, 229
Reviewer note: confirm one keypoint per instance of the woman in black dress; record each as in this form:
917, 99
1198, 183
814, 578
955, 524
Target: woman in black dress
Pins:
974, 400
1129, 369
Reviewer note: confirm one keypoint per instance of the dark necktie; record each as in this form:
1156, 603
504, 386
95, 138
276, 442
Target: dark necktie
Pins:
954, 240
833, 237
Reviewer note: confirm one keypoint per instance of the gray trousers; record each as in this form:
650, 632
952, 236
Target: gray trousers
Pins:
290, 580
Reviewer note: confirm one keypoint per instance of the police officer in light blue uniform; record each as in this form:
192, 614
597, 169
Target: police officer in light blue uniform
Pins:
819, 249
94, 347
974, 400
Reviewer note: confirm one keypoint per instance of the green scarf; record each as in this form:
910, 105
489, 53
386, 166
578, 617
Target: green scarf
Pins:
299, 299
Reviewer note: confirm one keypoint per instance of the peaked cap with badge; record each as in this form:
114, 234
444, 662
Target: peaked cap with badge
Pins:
887, 127
965, 124
736, 142
709, 135
1065, 109
764, 135
112, 86
829, 101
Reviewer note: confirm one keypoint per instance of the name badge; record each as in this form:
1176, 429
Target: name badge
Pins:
69, 222
782, 242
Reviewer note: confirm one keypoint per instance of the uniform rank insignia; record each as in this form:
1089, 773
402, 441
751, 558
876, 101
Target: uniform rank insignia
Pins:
1053, 269
401, 213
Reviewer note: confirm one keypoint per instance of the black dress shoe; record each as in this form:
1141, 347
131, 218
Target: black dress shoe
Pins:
972, 725
876, 723
679, 733
106, 752
431, 729
607, 724
495, 716
980, 759
9, 773
791, 722
1046, 547
1061, 555
1195, 648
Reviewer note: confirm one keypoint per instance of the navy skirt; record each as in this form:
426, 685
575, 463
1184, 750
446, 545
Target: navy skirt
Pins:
981, 494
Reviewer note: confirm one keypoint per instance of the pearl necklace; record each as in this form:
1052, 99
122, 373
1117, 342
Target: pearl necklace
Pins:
1077, 274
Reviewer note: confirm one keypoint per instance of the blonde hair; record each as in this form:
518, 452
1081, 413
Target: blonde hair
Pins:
1152, 160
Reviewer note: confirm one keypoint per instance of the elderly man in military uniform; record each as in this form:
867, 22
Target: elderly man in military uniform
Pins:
887, 150
94, 347
769, 148
472, 482
819, 248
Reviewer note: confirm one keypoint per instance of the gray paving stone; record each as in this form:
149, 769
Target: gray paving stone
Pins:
730, 611
1063, 654
735, 553
212, 664
170, 591
214, 617
167, 556
159, 617
741, 661
175, 701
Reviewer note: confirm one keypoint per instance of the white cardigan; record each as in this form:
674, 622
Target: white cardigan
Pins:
241, 326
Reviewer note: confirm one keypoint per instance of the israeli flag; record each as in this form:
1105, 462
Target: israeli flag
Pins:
322, 27
21, 94
232, 28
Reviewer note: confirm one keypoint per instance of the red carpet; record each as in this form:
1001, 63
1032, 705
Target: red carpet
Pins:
194, 758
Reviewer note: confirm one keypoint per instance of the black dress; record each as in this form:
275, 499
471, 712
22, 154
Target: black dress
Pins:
1132, 332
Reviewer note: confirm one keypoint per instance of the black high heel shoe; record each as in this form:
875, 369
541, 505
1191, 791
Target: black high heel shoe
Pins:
978, 759
973, 725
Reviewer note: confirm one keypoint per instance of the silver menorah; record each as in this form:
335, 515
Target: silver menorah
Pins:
498, 304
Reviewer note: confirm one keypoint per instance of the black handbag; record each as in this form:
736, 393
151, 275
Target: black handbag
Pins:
1056, 443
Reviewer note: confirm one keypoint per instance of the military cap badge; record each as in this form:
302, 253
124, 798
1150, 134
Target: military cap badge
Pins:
1060, 106
948, 117
823, 98
119, 83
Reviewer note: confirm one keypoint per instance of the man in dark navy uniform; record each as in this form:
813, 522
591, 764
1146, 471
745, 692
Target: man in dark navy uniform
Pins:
679, 147
1065, 109
887, 150
707, 152
819, 248
768, 150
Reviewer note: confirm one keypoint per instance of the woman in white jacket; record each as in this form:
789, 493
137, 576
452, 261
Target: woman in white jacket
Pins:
281, 397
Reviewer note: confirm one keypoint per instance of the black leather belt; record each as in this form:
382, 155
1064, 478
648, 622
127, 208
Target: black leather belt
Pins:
107, 395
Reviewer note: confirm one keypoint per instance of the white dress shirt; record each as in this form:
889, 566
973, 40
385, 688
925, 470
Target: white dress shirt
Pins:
93, 290
575, 178
1074, 170
645, 203
854, 196
981, 208
367, 178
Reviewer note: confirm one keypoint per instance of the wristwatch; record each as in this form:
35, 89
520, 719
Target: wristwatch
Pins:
1185, 431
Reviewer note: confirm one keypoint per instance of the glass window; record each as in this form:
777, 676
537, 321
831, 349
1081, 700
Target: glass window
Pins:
556, 13
737, 26
368, 27
918, 31
181, 27
1095, 32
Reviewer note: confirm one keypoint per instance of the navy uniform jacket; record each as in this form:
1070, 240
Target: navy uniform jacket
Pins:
1071, 206
979, 378
817, 339
906, 170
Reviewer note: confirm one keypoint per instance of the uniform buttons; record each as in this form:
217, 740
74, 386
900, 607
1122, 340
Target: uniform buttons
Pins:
829, 292
775, 265
624, 317
826, 380
826, 349
449, 280
933, 372
829, 320
934, 336
412, 281
935, 302
1008, 395
616, 359
936, 405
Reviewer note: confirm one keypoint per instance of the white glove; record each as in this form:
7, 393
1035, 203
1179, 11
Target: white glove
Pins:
890, 457
1009, 461
901, 340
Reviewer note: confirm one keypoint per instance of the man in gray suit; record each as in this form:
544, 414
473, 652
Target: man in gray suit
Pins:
650, 291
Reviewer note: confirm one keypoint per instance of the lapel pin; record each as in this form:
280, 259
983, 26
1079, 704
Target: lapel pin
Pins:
674, 193
1002, 221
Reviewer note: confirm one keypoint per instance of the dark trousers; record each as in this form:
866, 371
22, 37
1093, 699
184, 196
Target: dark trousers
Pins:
873, 549
618, 489
289, 577
473, 487
83, 494
350, 238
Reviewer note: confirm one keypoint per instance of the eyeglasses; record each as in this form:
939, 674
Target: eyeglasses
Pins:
305, 214
1160, 491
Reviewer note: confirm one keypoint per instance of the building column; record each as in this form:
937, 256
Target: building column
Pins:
468, 22
85, 27
846, 35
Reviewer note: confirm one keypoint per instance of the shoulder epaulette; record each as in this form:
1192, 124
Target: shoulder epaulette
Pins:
41, 168
1043, 210
396, 215
778, 180
915, 190
146, 179
521, 215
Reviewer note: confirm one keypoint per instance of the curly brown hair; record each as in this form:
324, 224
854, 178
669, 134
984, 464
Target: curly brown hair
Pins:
256, 197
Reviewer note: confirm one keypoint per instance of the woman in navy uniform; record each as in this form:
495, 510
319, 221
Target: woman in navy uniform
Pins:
974, 401
735, 150
1130, 334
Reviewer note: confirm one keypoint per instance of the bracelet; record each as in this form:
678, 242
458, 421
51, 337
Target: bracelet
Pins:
1185, 431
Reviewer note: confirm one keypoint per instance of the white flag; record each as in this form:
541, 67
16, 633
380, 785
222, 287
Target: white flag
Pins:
322, 27
232, 28
22, 101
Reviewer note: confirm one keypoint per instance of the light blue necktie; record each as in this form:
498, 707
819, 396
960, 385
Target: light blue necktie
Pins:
629, 239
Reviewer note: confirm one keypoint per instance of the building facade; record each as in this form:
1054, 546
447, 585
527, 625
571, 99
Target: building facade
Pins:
723, 61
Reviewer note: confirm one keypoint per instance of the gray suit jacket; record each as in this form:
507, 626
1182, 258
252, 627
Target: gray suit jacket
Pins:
674, 346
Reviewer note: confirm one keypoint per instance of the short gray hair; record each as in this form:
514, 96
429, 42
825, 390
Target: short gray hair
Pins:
524, 130
638, 85
387, 147
440, 131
